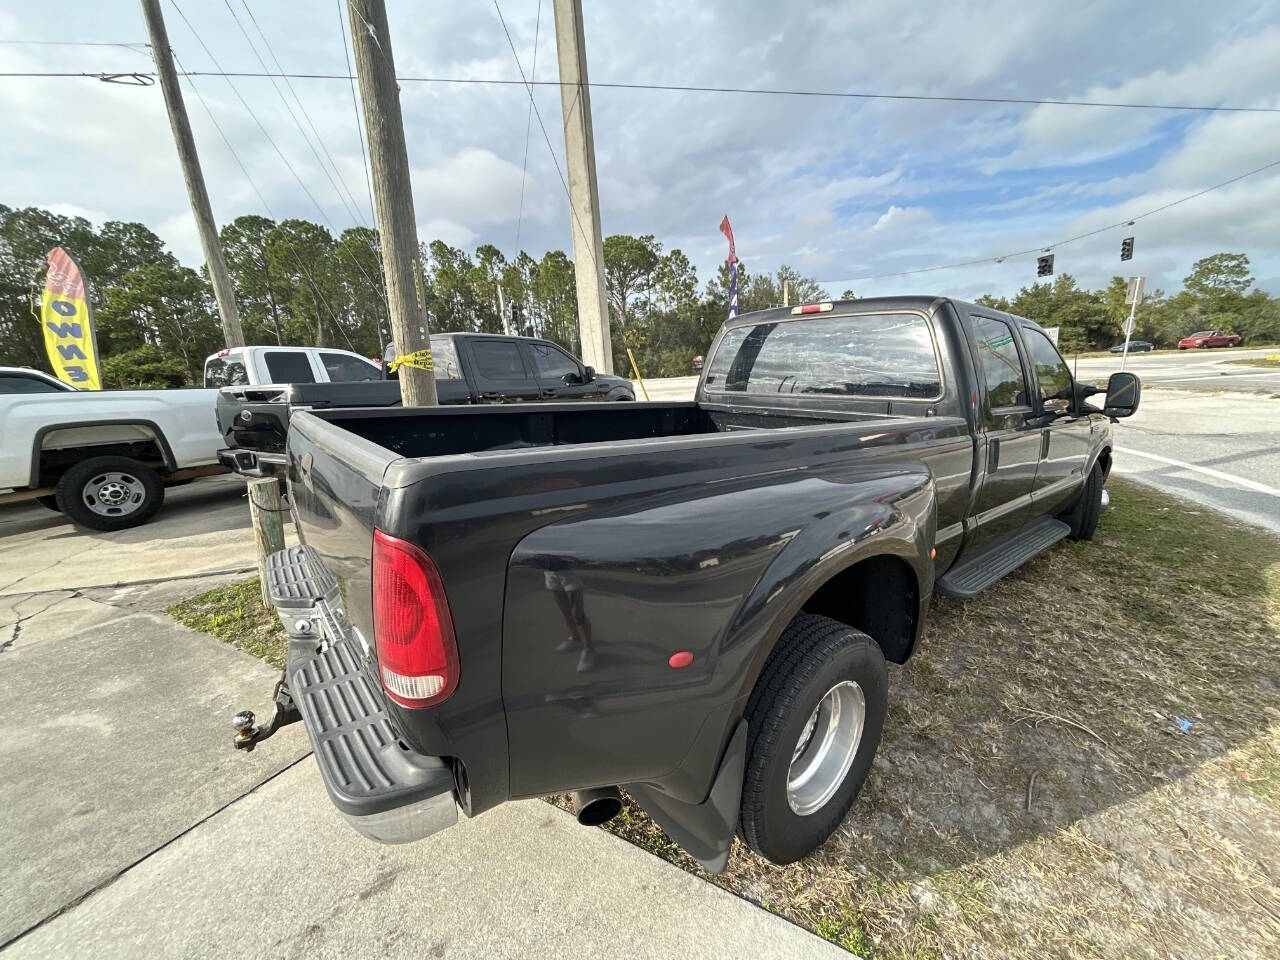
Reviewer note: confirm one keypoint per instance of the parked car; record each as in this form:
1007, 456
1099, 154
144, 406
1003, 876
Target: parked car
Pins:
1135, 346
695, 600
1209, 338
470, 368
245, 366
102, 457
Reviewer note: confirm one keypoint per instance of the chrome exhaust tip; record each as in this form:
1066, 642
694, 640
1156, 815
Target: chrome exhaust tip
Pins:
597, 805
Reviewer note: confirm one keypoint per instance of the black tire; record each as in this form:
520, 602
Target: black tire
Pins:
80, 485
1083, 517
812, 656
49, 501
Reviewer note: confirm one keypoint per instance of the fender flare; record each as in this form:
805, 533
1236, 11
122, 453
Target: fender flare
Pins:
37, 442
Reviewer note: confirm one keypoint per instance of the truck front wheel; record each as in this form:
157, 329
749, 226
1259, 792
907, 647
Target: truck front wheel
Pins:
110, 493
813, 725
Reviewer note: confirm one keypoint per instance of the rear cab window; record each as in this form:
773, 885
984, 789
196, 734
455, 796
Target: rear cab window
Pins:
226, 371
878, 355
444, 358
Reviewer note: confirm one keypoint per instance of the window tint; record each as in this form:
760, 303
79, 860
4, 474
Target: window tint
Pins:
283, 367
444, 357
342, 368
497, 359
1052, 376
16, 383
1001, 367
868, 355
551, 362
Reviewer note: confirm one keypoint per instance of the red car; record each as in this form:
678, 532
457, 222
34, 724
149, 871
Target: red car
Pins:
1209, 338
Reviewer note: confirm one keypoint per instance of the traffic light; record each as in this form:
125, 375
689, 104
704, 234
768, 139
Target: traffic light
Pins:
1044, 265
1126, 248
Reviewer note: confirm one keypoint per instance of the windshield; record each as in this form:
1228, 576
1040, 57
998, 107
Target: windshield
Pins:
867, 355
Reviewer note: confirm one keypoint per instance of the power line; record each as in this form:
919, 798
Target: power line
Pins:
263, 200
1046, 247
341, 185
543, 127
140, 48
355, 110
528, 127
757, 91
280, 153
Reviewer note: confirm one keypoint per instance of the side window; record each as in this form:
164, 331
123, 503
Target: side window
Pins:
1053, 379
444, 357
289, 367
1001, 367
497, 360
342, 368
20, 384
552, 363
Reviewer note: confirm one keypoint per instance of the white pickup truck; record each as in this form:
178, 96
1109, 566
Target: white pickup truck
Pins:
103, 458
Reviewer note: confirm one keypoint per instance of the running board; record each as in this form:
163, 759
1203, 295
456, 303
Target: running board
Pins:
974, 575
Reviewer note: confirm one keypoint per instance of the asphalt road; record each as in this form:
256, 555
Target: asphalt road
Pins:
1193, 370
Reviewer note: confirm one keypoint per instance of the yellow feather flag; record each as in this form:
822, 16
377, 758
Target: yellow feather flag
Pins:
67, 321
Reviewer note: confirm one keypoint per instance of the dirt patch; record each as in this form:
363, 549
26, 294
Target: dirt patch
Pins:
1082, 762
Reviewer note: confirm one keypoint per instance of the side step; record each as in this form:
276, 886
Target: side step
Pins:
1004, 556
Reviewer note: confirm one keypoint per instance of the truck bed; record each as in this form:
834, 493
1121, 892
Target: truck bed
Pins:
438, 432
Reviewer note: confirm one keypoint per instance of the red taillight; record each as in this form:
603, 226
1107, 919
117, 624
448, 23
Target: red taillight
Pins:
412, 628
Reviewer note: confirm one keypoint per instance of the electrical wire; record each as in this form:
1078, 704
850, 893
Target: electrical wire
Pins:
528, 127
275, 146
315, 288
1047, 247
355, 110
588, 245
757, 91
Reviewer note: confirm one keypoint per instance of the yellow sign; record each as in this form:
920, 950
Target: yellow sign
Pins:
67, 321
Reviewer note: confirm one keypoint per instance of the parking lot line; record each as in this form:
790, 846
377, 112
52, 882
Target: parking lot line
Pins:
1207, 471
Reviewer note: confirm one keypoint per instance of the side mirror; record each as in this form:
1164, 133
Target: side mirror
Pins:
589, 375
1124, 390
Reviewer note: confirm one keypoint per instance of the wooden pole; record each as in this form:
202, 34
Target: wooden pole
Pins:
392, 193
223, 292
267, 517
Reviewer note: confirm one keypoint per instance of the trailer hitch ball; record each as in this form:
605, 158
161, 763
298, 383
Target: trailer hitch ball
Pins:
242, 723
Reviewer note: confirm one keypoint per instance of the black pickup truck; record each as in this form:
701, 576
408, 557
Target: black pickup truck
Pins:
695, 601
470, 368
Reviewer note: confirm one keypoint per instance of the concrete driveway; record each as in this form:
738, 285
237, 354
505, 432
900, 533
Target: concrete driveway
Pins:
132, 828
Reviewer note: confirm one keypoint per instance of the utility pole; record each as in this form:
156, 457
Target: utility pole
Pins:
393, 195
223, 292
584, 195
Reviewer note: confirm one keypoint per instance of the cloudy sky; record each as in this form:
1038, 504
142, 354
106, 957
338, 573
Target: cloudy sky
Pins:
843, 190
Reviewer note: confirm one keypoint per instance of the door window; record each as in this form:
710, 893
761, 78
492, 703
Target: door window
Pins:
344, 368
552, 362
1053, 379
1001, 366
286, 366
497, 360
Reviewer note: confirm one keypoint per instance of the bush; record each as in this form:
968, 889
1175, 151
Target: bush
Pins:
143, 368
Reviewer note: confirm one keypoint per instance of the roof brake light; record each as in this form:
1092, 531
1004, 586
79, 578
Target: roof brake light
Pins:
811, 308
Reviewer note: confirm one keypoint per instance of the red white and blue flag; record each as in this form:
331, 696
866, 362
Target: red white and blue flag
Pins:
732, 261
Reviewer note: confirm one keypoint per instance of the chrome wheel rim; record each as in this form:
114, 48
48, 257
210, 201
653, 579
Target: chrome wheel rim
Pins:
113, 494
825, 750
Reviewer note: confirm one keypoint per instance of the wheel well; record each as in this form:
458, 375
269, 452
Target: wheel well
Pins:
54, 462
879, 596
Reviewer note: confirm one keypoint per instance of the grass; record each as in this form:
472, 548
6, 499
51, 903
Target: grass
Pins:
1059, 686
1270, 360
235, 615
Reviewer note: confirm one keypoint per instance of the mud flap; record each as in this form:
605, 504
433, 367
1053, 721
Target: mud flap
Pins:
705, 830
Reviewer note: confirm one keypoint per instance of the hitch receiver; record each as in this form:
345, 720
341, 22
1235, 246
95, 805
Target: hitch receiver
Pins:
249, 734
